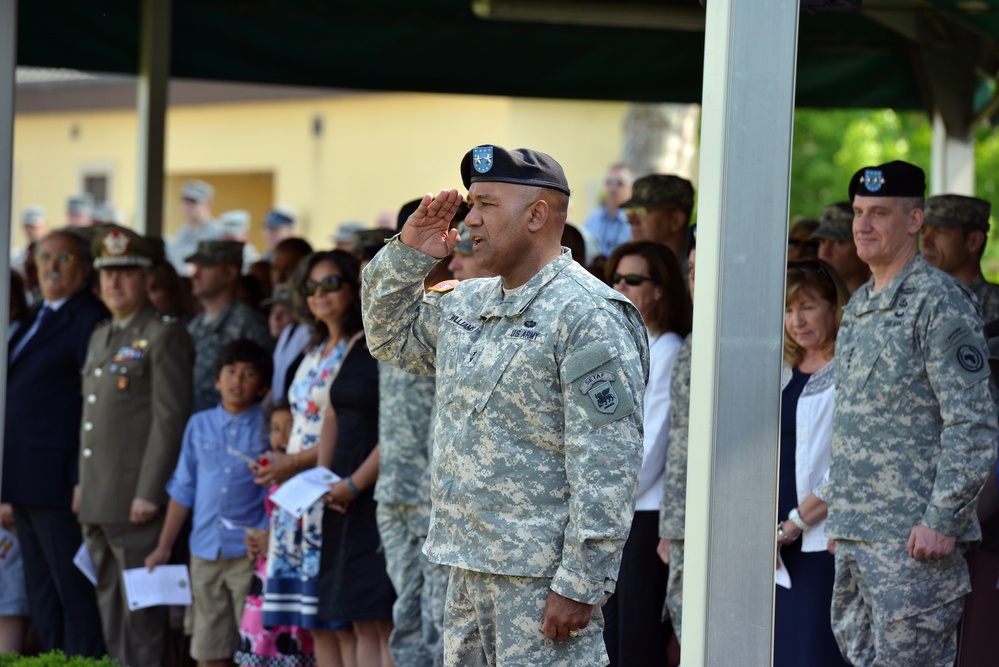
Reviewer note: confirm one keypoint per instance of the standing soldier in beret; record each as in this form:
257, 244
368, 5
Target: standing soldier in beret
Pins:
136, 401
914, 433
954, 236
540, 381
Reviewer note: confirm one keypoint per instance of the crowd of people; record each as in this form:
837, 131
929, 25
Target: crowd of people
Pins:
504, 400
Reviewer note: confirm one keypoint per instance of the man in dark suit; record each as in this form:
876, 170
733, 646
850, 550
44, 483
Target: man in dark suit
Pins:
41, 445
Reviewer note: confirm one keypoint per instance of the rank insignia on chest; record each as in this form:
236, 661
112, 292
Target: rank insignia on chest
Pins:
140, 344
122, 383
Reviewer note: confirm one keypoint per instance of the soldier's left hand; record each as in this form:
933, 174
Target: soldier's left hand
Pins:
563, 615
927, 544
143, 511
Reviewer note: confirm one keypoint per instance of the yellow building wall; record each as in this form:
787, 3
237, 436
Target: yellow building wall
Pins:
375, 151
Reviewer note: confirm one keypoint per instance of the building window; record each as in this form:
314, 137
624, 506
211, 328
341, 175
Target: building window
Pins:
98, 185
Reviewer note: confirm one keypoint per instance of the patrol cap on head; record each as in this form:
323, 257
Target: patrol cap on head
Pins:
958, 211
198, 191
346, 232
33, 215
282, 295
105, 213
835, 222
279, 217
521, 166
117, 247
210, 253
81, 203
659, 189
235, 222
893, 179
464, 246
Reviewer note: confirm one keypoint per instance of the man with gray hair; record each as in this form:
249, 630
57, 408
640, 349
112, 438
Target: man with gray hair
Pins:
953, 240
914, 437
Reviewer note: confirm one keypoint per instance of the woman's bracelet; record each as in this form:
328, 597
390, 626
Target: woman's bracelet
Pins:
784, 536
350, 485
795, 518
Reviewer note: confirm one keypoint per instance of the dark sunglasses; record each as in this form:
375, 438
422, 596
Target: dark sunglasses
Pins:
632, 279
810, 266
328, 284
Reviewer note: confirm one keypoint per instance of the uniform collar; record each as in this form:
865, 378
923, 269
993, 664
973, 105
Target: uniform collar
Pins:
499, 306
864, 301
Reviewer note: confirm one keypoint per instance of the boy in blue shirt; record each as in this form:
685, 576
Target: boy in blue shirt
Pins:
210, 483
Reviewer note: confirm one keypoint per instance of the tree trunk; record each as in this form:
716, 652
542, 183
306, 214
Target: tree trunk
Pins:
662, 139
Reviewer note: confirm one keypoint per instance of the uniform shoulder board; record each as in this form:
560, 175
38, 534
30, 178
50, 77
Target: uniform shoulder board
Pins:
445, 286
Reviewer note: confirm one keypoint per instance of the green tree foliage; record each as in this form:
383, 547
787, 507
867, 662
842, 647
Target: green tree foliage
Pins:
831, 145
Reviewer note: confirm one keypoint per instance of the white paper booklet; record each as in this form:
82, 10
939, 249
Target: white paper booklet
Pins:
85, 564
166, 584
301, 491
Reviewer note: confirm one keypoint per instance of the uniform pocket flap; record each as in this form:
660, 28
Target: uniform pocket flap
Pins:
919, 597
589, 358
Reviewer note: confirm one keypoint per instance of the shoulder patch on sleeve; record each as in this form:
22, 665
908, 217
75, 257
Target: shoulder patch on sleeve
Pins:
962, 350
598, 389
445, 286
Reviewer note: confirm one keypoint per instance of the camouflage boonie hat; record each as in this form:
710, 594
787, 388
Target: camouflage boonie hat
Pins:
210, 253
958, 211
659, 189
464, 246
117, 247
835, 222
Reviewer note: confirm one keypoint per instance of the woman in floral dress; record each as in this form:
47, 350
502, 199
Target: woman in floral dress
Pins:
327, 283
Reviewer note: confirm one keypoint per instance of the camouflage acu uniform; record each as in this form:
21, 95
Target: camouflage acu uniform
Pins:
405, 428
237, 320
914, 434
538, 440
672, 509
988, 298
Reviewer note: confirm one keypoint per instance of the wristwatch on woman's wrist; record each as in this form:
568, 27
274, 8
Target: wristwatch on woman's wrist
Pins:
796, 519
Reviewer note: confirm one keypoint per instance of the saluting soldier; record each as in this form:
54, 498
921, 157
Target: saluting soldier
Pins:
540, 381
137, 398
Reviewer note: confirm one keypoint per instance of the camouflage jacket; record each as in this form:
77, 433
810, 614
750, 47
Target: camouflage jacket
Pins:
672, 510
237, 320
988, 298
914, 428
538, 440
405, 436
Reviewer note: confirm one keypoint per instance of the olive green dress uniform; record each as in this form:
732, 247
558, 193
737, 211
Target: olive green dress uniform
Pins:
673, 506
136, 401
914, 436
537, 447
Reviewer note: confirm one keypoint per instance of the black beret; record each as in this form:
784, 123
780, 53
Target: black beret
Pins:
894, 179
522, 166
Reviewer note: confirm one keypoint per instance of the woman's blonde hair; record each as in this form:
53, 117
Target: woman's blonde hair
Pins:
815, 278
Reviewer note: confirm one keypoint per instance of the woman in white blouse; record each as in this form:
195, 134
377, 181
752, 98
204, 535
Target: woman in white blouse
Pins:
649, 275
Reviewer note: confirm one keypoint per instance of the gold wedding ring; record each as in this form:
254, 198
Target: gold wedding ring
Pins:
573, 633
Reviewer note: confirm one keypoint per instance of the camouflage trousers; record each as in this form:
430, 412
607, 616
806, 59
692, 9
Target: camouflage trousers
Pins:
889, 610
495, 620
673, 606
417, 638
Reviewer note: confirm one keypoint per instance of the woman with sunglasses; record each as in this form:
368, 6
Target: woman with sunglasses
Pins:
326, 294
814, 303
649, 275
